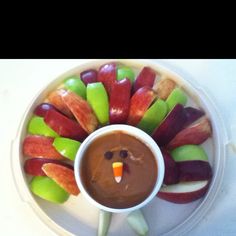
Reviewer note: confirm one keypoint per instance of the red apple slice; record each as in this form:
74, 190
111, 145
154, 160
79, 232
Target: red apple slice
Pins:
193, 134
55, 98
171, 168
194, 170
192, 114
64, 126
43, 108
139, 104
40, 146
120, 101
63, 176
170, 126
34, 166
184, 192
81, 110
107, 75
145, 78
89, 76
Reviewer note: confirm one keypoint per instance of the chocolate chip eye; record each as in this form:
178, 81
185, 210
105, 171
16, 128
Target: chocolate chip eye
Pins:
123, 153
108, 155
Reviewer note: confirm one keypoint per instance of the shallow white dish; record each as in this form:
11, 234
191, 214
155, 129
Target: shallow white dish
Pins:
163, 217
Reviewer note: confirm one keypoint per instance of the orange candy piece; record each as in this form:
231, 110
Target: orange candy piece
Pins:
117, 171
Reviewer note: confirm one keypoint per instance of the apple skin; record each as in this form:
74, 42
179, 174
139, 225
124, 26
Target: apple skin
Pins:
139, 104
107, 75
41, 147
76, 85
81, 110
153, 116
89, 76
37, 126
170, 126
171, 169
120, 102
55, 98
67, 147
49, 190
192, 114
124, 72
63, 176
64, 126
146, 77
193, 134
98, 99
42, 109
184, 192
33, 166
177, 96
189, 152
194, 170
164, 88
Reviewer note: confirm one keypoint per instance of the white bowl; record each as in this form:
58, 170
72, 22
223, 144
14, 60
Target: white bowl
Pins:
137, 133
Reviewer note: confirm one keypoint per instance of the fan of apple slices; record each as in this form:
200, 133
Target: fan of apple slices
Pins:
112, 95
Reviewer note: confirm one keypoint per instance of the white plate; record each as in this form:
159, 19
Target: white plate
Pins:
78, 217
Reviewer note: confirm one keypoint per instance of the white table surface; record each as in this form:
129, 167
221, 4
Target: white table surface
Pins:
20, 80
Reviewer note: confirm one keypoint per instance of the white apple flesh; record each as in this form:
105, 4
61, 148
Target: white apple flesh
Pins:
184, 192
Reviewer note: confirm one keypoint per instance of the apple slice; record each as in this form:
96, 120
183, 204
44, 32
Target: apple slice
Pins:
153, 116
170, 126
64, 126
67, 147
125, 72
194, 170
192, 114
189, 153
120, 101
63, 176
39, 127
76, 85
138, 222
104, 222
55, 98
81, 110
107, 75
193, 134
98, 100
43, 108
139, 104
40, 146
89, 76
146, 77
177, 96
164, 88
34, 166
184, 192
46, 188
171, 169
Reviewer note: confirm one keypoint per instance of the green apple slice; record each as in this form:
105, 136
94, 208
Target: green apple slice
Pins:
66, 147
39, 127
176, 96
75, 84
104, 222
137, 222
125, 72
153, 116
98, 99
47, 189
189, 153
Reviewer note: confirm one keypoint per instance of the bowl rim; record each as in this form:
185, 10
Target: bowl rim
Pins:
135, 132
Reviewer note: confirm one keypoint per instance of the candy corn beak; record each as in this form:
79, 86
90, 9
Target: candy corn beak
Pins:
117, 171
